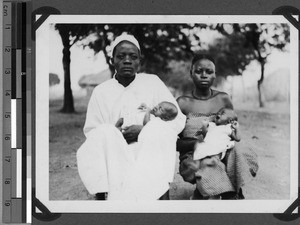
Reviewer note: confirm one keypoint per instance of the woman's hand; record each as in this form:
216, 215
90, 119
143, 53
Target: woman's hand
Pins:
132, 132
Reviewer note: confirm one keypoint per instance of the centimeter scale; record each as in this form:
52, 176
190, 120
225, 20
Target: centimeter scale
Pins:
14, 75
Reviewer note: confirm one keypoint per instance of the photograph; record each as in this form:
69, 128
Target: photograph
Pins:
135, 110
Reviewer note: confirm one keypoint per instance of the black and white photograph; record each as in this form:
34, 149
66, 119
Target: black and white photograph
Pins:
132, 113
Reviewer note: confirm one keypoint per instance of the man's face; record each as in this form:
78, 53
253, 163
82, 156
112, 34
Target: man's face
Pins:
126, 59
203, 73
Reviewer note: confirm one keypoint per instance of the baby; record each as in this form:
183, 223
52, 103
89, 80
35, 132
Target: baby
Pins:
165, 110
218, 135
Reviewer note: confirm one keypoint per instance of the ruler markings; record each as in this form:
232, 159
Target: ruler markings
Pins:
19, 127
28, 197
19, 173
23, 139
13, 193
18, 73
7, 33
14, 111
13, 123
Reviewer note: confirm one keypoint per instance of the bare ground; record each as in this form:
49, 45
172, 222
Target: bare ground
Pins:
268, 133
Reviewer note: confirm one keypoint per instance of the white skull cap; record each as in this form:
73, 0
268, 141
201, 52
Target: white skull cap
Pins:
125, 37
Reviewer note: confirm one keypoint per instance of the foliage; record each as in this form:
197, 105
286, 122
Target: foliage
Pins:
163, 45
258, 41
159, 43
53, 79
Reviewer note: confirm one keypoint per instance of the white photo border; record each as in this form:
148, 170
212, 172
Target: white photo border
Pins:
172, 206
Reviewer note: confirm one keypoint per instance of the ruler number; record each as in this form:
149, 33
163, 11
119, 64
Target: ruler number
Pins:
7, 159
7, 203
5, 12
7, 93
7, 49
7, 138
7, 116
7, 181
7, 71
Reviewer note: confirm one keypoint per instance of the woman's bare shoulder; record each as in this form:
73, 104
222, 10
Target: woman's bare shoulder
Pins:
224, 98
184, 102
184, 99
219, 93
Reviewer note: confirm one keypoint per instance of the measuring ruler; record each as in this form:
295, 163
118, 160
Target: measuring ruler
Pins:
14, 107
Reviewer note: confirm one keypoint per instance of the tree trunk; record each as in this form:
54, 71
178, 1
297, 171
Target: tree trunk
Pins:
107, 58
68, 105
259, 83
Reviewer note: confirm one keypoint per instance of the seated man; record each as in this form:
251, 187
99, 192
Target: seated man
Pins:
105, 161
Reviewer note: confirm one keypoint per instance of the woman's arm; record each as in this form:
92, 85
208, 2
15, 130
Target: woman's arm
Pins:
184, 146
226, 101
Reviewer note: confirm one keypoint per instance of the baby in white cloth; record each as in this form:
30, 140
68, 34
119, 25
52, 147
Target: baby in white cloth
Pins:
220, 135
166, 111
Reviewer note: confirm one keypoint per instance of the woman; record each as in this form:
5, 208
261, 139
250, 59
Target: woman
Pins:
213, 179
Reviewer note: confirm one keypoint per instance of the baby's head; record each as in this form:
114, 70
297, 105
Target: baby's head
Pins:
225, 116
165, 110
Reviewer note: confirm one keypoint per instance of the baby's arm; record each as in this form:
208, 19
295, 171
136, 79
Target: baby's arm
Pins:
146, 117
146, 109
235, 135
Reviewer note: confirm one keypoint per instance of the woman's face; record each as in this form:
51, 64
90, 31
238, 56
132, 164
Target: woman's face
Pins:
126, 59
203, 73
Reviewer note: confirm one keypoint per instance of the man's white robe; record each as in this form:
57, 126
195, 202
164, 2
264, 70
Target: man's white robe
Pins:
106, 163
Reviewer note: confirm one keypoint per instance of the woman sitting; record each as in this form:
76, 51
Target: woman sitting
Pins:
214, 178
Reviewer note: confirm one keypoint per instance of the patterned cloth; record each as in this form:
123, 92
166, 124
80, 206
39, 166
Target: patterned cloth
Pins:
214, 176
241, 165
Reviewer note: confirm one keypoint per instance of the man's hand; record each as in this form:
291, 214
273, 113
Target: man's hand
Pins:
119, 124
131, 133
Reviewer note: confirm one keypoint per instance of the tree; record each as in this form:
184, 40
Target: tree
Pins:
159, 44
258, 42
70, 34
164, 43
228, 51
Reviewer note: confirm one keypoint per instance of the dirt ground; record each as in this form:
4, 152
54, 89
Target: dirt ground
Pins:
268, 133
